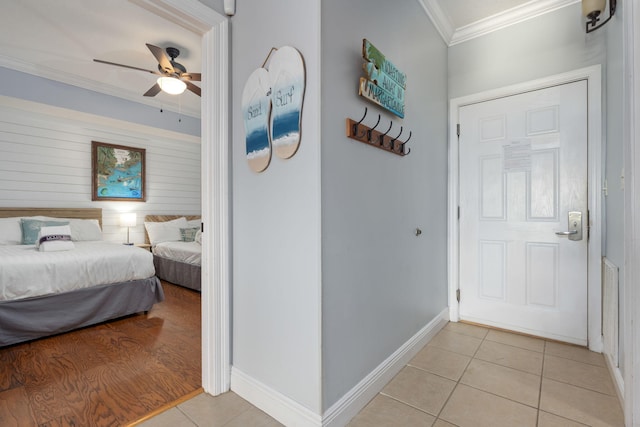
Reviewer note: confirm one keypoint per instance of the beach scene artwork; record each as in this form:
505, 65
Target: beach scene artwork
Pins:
256, 108
287, 76
118, 172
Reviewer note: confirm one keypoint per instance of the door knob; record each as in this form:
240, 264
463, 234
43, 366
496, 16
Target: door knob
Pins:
575, 226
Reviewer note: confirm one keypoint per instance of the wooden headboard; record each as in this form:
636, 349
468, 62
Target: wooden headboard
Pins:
163, 218
75, 213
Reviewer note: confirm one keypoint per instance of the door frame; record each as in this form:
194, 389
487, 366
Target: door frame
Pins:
215, 186
593, 75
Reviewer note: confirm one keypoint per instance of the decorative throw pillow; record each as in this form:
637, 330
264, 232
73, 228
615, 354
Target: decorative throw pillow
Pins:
31, 228
56, 238
198, 237
189, 234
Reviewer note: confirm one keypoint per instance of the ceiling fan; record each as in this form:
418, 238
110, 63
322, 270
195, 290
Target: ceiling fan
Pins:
173, 79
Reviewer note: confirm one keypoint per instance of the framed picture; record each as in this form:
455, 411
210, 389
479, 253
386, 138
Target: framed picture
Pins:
117, 172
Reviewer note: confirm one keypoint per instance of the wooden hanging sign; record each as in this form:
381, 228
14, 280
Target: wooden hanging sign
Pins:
384, 84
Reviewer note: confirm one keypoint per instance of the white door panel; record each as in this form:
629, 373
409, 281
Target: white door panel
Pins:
523, 167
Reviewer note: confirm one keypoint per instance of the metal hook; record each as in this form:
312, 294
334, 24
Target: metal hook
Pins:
392, 142
370, 130
355, 126
381, 137
402, 144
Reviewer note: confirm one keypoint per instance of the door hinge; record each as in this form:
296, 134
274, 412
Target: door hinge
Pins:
458, 212
458, 129
588, 224
458, 295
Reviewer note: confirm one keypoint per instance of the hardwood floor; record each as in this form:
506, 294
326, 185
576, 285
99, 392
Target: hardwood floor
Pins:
106, 375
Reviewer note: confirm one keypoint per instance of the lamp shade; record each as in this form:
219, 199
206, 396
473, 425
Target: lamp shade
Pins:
593, 7
171, 85
128, 219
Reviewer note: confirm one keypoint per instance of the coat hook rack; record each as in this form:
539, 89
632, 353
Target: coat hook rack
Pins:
370, 136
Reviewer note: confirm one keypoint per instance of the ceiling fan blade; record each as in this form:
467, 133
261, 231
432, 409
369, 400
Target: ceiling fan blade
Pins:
162, 58
193, 88
194, 77
155, 89
126, 66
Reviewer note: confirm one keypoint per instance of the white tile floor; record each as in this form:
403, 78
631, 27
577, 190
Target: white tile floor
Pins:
466, 376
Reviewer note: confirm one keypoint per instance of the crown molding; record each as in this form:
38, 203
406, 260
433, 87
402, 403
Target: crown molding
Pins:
190, 15
453, 36
439, 19
92, 85
509, 17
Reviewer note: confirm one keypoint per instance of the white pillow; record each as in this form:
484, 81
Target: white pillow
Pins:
168, 231
194, 223
10, 231
85, 230
198, 236
55, 238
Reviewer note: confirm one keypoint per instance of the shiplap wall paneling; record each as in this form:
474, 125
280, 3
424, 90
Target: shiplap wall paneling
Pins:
45, 161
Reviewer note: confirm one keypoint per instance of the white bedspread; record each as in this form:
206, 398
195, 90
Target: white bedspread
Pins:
187, 252
26, 272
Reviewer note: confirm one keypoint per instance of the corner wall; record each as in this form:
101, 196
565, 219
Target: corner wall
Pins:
276, 224
381, 283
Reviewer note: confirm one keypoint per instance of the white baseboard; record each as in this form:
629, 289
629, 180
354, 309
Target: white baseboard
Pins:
277, 405
291, 413
341, 412
616, 376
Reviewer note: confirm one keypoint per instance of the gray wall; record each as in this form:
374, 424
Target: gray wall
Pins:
217, 5
549, 44
276, 217
32, 88
380, 283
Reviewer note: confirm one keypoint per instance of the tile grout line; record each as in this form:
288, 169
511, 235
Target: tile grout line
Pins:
186, 415
544, 352
461, 375
488, 392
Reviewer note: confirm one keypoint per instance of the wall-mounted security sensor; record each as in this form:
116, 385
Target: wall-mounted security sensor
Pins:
230, 7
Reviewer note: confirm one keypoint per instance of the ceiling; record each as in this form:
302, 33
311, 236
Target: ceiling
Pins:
59, 39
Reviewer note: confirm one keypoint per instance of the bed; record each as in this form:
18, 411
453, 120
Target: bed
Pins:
45, 293
177, 261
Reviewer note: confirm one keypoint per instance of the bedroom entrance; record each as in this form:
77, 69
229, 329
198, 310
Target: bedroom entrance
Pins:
525, 228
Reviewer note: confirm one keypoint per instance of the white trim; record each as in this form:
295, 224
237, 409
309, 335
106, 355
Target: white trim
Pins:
616, 375
277, 405
216, 347
593, 75
341, 412
507, 18
516, 15
199, 18
631, 139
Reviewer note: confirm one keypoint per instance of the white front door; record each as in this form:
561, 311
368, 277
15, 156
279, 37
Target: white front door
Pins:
523, 169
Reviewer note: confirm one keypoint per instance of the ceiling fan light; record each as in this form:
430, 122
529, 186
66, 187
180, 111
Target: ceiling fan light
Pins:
171, 85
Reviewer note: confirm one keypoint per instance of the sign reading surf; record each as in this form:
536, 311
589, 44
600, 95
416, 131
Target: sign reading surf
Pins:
384, 83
